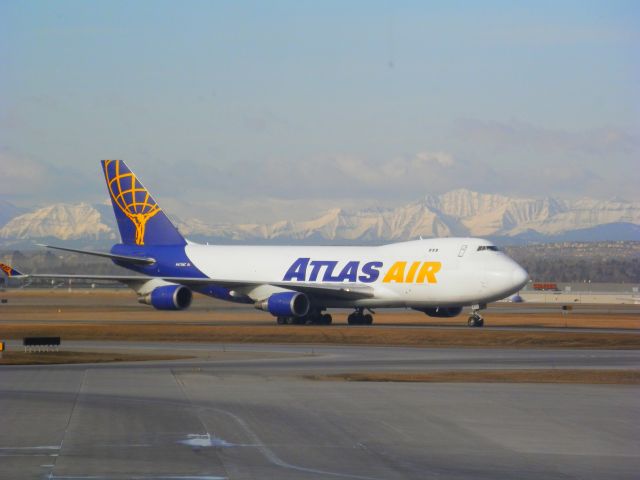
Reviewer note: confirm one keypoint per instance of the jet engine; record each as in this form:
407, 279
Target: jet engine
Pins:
285, 304
442, 312
168, 297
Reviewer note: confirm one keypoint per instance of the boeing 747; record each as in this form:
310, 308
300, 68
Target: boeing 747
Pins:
296, 284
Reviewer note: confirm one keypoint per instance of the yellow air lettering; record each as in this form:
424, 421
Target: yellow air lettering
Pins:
395, 273
428, 272
412, 272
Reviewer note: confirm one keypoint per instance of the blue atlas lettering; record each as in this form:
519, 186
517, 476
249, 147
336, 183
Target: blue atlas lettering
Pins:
370, 272
349, 272
306, 270
298, 270
316, 265
328, 273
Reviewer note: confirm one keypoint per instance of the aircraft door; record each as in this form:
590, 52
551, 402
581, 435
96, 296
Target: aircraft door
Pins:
463, 249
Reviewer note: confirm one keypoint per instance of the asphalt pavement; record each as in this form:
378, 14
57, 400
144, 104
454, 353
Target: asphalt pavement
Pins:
255, 416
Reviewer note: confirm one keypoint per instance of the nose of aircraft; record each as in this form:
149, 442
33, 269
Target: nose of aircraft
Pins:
519, 277
505, 277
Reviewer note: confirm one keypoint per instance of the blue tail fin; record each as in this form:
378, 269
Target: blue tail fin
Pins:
140, 220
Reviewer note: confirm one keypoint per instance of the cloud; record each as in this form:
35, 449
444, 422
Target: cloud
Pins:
541, 161
442, 158
518, 135
400, 171
324, 178
279, 188
259, 210
22, 176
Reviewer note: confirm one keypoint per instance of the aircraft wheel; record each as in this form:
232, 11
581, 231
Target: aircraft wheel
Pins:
367, 319
290, 320
281, 320
326, 319
472, 321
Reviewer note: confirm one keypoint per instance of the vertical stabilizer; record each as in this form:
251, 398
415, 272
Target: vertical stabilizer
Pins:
140, 219
10, 271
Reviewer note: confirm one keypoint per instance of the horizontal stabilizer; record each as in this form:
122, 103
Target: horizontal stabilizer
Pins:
113, 256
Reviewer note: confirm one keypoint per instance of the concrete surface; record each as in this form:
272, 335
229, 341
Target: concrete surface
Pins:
257, 418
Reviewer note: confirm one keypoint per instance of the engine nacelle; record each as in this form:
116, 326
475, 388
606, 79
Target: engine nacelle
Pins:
168, 297
442, 312
285, 304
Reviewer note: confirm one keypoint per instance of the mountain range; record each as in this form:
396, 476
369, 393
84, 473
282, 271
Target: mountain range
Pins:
456, 213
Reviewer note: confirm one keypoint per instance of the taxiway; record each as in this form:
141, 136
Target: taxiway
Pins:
257, 416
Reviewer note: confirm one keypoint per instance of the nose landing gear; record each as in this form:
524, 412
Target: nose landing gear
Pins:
475, 319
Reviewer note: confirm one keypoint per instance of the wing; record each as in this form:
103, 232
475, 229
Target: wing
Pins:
341, 290
113, 256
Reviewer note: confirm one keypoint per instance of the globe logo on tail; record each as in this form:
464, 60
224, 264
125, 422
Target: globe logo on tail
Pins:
131, 197
6, 269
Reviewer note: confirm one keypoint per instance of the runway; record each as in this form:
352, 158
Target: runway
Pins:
255, 416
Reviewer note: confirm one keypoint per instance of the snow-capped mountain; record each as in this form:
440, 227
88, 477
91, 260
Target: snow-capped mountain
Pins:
459, 212
61, 220
490, 215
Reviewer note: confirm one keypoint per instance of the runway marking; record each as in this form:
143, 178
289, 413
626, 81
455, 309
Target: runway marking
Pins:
181, 387
257, 442
198, 440
26, 455
127, 445
136, 477
273, 458
45, 447
66, 428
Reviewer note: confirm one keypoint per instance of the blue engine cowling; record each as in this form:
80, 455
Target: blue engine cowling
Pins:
168, 297
286, 304
442, 312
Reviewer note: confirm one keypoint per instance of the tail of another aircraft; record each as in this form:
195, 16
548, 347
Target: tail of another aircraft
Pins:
10, 271
140, 220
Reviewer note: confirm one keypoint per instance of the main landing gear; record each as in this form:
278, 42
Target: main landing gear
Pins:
360, 318
314, 317
475, 319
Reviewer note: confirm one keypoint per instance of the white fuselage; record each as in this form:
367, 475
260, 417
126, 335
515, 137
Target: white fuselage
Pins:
422, 273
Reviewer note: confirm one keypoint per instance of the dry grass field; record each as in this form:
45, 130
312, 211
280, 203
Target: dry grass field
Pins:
116, 315
121, 306
416, 337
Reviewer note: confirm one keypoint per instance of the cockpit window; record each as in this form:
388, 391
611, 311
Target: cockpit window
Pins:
493, 248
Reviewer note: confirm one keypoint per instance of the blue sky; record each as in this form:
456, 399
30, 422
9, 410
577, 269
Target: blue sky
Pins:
246, 111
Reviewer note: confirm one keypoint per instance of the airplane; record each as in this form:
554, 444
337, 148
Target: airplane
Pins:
295, 284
